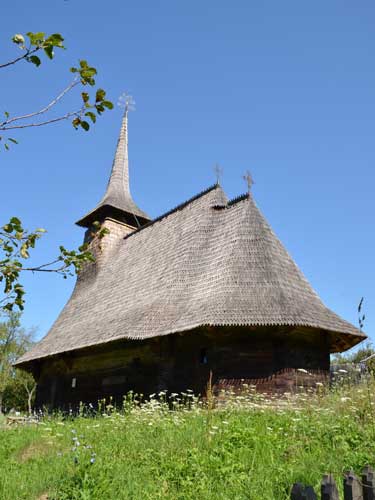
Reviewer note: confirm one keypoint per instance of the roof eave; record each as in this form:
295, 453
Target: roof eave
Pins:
108, 210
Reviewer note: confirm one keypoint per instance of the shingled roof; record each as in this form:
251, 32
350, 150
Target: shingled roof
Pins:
208, 262
117, 195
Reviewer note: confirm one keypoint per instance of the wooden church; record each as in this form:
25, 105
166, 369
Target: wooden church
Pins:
206, 287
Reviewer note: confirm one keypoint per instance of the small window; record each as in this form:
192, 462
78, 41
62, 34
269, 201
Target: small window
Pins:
203, 358
74, 383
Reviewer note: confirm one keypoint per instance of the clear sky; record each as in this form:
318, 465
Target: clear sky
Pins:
283, 88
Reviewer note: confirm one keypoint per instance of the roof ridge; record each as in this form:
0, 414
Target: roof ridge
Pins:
173, 210
238, 198
232, 202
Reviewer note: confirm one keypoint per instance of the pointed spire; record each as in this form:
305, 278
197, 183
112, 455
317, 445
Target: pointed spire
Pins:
118, 191
117, 201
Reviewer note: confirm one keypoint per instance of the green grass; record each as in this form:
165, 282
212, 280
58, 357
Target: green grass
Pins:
247, 450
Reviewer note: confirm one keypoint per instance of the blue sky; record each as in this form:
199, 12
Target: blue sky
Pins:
284, 89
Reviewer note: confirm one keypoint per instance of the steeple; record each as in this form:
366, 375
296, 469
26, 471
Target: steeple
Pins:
117, 202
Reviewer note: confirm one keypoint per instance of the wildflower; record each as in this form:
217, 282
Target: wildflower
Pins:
92, 460
343, 371
215, 427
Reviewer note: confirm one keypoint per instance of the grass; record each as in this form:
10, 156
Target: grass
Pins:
249, 449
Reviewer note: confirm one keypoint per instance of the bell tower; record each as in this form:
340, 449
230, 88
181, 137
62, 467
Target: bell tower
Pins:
116, 211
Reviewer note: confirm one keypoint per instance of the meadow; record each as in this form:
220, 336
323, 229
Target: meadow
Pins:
252, 447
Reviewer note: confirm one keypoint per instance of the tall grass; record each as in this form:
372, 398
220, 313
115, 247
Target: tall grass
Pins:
252, 447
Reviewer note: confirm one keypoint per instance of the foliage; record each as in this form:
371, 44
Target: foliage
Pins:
15, 241
14, 341
357, 356
15, 246
84, 75
252, 448
16, 394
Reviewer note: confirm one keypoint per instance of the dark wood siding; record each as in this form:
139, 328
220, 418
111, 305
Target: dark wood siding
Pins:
266, 356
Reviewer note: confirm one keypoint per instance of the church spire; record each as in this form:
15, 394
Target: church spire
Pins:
118, 184
117, 201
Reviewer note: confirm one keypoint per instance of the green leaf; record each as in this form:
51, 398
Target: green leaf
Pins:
100, 94
15, 220
35, 60
24, 253
36, 38
91, 115
76, 122
6, 114
56, 39
13, 140
108, 104
85, 125
85, 96
49, 51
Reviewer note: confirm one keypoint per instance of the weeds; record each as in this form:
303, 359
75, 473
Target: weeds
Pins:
179, 447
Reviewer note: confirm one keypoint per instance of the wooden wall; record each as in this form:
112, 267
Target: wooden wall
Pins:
178, 362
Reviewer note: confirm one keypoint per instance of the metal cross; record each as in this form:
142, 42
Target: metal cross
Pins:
126, 101
218, 172
248, 179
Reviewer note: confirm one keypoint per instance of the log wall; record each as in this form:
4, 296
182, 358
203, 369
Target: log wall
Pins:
268, 358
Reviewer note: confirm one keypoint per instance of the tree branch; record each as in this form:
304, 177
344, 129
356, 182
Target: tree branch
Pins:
3, 125
42, 269
47, 122
26, 54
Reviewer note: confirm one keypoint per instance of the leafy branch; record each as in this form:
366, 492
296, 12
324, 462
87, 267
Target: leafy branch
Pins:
84, 76
15, 246
37, 42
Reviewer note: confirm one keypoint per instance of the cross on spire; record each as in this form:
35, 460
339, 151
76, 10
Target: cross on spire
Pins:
218, 172
127, 102
249, 180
